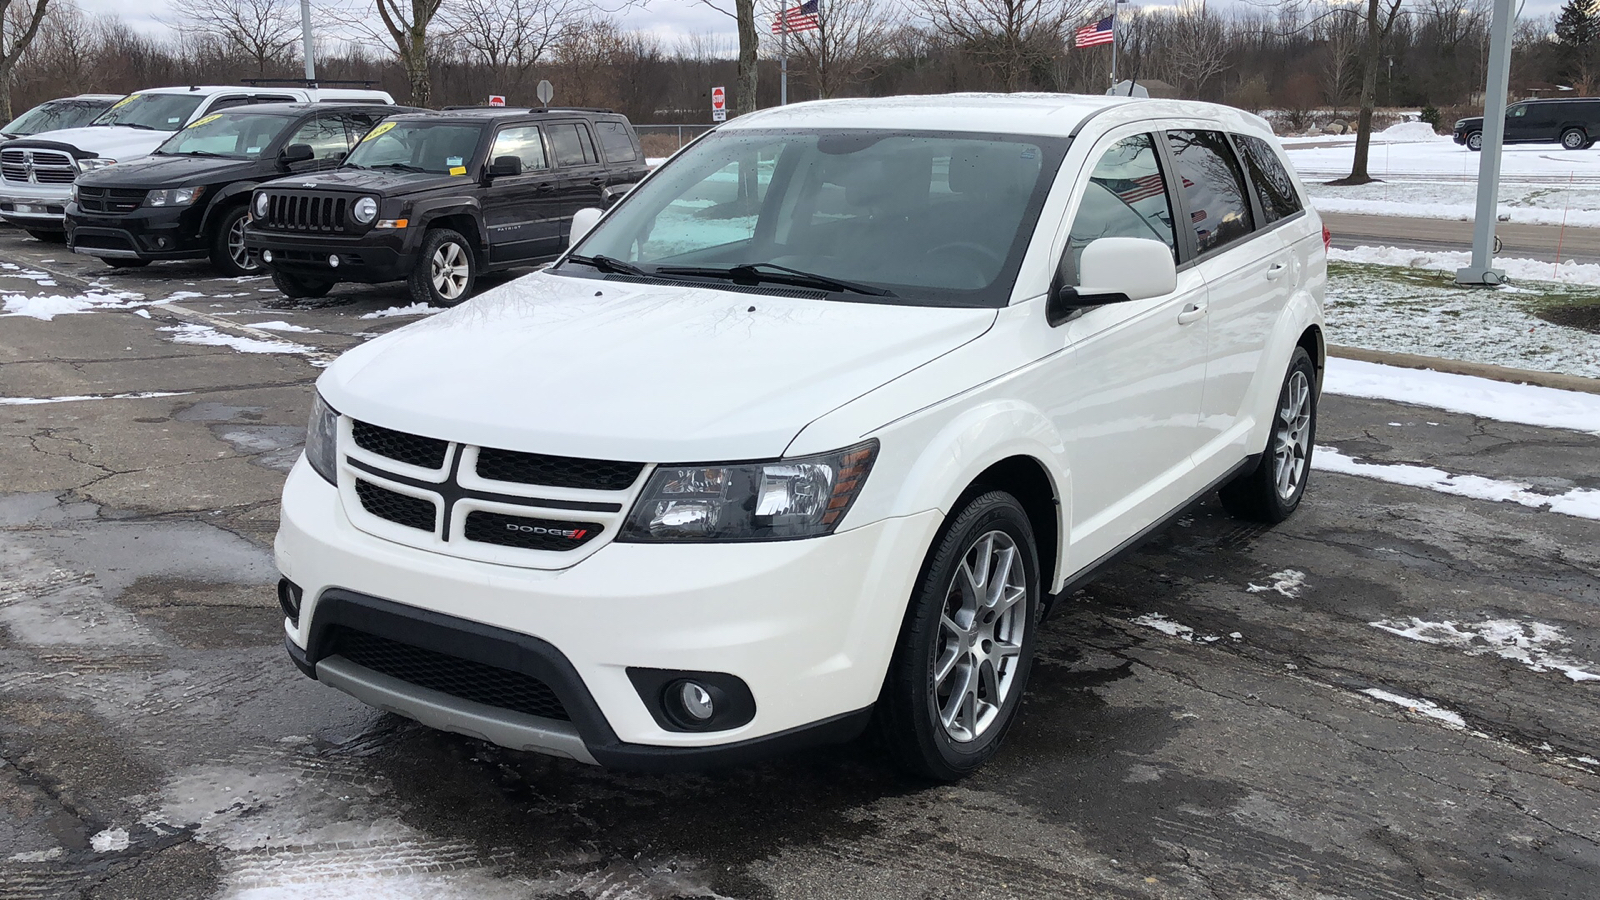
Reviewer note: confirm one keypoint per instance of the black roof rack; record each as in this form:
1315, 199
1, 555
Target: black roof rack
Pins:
527, 109
308, 82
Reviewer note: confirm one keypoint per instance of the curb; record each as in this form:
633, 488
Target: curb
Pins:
1477, 370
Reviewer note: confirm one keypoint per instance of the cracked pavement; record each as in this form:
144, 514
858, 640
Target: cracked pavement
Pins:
156, 743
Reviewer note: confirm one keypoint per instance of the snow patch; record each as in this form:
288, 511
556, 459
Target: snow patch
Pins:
1580, 502
1536, 645
112, 840
1426, 707
285, 326
45, 308
1167, 626
205, 335
136, 395
36, 856
1288, 583
1523, 404
415, 309
1451, 260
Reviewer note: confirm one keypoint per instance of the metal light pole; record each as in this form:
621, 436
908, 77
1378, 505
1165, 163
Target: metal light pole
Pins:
1481, 271
305, 34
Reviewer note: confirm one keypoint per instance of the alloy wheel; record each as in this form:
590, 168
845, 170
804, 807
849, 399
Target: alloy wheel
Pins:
1290, 443
977, 652
451, 269
237, 251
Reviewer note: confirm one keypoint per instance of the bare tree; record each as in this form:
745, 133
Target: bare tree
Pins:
1011, 38
263, 31
851, 36
1339, 34
1190, 43
1379, 20
18, 25
510, 37
744, 16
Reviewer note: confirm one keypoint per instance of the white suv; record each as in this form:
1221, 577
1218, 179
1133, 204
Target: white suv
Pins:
37, 172
809, 429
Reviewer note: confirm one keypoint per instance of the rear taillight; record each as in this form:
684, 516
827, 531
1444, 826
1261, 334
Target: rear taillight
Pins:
1327, 238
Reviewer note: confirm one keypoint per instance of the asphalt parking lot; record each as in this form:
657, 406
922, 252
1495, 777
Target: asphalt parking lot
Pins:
1214, 718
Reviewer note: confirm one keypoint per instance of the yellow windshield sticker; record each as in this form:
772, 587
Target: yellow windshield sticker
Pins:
202, 121
458, 170
125, 101
383, 128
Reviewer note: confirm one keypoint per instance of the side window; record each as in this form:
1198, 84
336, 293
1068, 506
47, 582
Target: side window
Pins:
615, 141
1213, 188
522, 143
356, 126
226, 102
1274, 187
1516, 112
1126, 197
325, 134
273, 98
564, 143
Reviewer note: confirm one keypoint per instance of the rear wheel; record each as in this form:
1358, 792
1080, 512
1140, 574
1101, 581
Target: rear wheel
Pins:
446, 269
961, 665
126, 263
298, 288
1272, 490
228, 252
1475, 141
1574, 139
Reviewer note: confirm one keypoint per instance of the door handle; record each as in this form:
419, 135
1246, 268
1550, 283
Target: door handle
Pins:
1276, 271
545, 188
1191, 313
598, 182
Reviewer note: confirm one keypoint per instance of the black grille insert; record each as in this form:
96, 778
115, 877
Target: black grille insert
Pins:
397, 445
556, 471
305, 212
464, 678
401, 509
109, 200
528, 534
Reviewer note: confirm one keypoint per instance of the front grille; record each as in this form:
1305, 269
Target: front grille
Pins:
401, 509
464, 678
413, 449
109, 200
305, 212
528, 533
556, 471
37, 166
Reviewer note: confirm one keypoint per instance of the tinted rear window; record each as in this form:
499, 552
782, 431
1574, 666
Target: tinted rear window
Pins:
1274, 188
1213, 188
615, 141
571, 144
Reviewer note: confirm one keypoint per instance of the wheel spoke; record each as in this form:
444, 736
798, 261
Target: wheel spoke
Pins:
1000, 577
946, 664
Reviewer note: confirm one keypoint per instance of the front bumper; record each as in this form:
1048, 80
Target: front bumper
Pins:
807, 625
41, 207
372, 258
152, 233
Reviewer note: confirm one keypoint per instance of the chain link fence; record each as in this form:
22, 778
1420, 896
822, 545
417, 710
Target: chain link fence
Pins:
664, 140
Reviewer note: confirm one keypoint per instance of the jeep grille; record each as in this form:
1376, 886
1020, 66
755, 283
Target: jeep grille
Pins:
292, 211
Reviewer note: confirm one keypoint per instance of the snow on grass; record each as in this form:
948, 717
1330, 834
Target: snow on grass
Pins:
1523, 404
1539, 646
1579, 502
415, 309
1587, 274
285, 326
136, 395
1167, 626
45, 308
1424, 707
1439, 159
111, 840
205, 335
1288, 583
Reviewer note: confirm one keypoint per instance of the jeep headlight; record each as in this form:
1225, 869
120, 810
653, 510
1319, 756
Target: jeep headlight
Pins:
322, 440
261, 206
365, 210
89, 165
765, 501
174, 197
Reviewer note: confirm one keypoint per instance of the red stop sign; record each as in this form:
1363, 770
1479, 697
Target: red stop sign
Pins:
719, 98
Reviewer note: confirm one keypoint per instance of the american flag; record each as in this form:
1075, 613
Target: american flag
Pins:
798, 18
1094, 35
1142, 188
1197, 216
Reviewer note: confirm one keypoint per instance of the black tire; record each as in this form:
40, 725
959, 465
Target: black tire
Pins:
126, 263
227, 244
1475, 141
49, 237
1267, 493
908, 715
297, 288
446, 269
1574, 139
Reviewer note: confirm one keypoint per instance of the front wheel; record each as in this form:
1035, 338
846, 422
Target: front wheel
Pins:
446, 269
1475, 141
961, 664
296, 288
228, 252
1272, 490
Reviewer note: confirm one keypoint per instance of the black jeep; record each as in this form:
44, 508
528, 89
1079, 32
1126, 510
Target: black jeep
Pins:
438, 199
188, 199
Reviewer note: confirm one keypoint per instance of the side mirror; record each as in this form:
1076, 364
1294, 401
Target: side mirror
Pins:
504, 166
583, 221
296, 153
615, 192
1116, 270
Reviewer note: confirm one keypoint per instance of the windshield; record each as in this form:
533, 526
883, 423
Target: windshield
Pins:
924, 218
235, 136
417, 147
54, 116
162, 112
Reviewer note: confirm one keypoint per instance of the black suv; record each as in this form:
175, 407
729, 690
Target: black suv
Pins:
438, 199
1574, 124
188, 200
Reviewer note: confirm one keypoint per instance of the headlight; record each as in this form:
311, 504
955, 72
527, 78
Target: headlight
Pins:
72, 193
89, 165
174, 197
261, 206
786, 498
322, 440
366, 209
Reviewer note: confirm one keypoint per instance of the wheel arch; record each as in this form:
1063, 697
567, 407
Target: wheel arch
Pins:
237, 193
1027, 480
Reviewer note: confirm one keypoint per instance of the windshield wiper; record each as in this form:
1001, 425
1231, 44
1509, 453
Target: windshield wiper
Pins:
609, 265
754, 273
404, 167
138, 125
193, 153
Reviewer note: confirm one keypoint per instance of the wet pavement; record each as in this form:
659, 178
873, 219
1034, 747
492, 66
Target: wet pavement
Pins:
1388, 696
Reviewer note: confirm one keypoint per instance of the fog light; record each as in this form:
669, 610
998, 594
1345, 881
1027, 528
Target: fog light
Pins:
695, 701
333, 260
161, 242
266, 256
289, 595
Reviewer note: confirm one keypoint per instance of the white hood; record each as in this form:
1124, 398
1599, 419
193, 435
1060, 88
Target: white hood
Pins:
117, 142
644, 373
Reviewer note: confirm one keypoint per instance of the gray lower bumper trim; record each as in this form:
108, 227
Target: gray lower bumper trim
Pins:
103, 253
447, 713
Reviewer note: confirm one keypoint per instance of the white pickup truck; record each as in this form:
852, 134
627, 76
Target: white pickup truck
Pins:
36, 173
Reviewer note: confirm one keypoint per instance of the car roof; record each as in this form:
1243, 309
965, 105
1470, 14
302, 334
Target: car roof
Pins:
1045, 115
301, 107
325, 93
105, 97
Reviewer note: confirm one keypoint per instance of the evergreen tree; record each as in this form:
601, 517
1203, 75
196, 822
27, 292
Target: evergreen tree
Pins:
1578, 34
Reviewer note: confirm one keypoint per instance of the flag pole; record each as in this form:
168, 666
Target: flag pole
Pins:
783, 55
1114, 4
